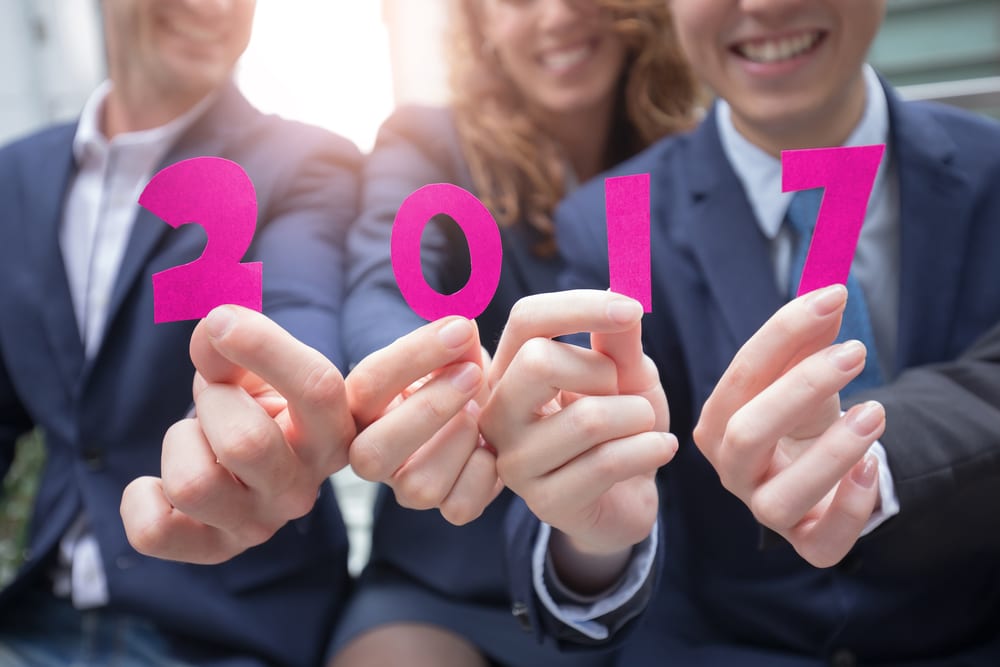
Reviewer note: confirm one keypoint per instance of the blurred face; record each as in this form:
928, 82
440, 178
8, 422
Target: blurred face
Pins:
177, 47
791, 69
561, 54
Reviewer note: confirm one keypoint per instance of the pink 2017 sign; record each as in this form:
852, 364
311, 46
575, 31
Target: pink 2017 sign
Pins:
218, 195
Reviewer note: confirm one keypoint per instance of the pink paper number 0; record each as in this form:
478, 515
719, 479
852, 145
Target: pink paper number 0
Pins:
218, 195
485, 251
848, 176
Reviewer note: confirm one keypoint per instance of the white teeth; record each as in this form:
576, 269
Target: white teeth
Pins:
775, 50
565, 59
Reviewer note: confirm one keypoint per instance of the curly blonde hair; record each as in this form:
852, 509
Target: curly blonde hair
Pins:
518, 170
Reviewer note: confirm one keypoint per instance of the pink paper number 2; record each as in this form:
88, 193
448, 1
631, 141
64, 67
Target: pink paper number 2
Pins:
218, 195
847, 175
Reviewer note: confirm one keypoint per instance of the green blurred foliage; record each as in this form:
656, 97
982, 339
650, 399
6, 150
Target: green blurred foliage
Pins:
17, 499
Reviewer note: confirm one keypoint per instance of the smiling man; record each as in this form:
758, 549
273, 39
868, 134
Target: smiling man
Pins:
81, 359
883, 495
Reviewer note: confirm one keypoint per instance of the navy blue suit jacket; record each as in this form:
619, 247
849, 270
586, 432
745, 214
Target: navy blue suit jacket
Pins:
926, 585
104, 418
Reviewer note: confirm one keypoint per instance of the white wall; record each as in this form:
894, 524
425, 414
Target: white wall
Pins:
50, 59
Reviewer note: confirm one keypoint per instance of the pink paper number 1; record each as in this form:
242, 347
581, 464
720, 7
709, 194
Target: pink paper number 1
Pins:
218, 195
847, 175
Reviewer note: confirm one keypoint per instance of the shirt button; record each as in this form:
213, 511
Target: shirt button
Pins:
843, 658
94, 459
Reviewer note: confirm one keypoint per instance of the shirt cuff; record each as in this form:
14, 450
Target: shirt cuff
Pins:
579, 611
889, 506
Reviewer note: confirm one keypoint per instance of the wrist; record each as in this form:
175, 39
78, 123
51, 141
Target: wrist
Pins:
586, 569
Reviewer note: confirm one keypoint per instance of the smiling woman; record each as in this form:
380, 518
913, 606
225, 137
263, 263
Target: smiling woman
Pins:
322, 63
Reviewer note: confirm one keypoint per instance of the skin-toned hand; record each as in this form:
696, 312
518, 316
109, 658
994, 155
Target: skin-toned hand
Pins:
580, 433
416, 405
774, 432
275, 419
272, 423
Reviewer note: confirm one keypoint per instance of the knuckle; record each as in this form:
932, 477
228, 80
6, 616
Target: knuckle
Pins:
771, 509
323, 385
187, 488
251, 442
431, 409
460, 510
416, 490
645, 415
607, 463
742, 374
148, 538
740, 439
588, 417
366, 381
534, 359
367, 460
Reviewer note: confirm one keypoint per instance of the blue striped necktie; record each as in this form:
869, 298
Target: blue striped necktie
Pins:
801, 217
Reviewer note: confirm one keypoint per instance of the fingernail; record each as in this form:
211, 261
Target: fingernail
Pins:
473, 409
623, 311
828, 300
847, 356
456, 333
865, 474
865, 418
219, 321
467, 377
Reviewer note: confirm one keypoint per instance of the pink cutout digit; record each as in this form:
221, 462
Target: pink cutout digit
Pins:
485, 251
847, 175
218, 195
626, 202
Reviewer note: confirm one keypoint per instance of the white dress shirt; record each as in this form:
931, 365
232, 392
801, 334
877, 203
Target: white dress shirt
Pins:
876, 267
98, 216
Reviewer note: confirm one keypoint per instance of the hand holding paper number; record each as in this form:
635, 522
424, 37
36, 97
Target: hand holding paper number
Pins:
416, 405
772, 428
580, 433
274, 418
218, 195
774, 432
272, 422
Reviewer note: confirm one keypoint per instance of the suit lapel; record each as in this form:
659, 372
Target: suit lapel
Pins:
45, 197
733, 253
935, 204
208, 136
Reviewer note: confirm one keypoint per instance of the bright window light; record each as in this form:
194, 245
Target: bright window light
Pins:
324, 62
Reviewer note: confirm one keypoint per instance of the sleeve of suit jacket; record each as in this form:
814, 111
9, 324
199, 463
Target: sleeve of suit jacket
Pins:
943, 433
415, 147
305, 214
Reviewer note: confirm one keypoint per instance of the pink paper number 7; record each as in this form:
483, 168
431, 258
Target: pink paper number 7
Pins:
847, 175
218, 195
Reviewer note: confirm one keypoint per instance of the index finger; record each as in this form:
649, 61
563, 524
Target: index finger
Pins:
243, 341
800, 328
637, 374
386, 373
560, 314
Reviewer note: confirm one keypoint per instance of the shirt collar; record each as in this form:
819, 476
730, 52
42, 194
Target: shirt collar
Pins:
760, 172
89, 136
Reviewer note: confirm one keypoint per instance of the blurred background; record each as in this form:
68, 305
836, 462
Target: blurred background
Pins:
344, 65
